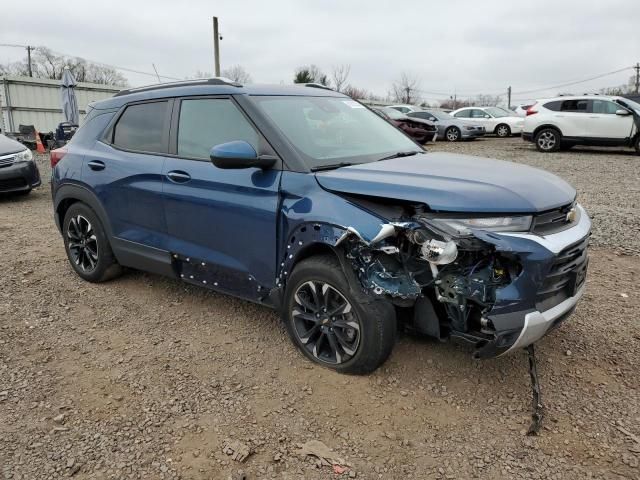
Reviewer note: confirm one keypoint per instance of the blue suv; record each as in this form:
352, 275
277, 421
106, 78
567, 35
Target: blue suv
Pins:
302, 199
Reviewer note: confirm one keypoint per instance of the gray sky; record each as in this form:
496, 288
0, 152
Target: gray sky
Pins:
463, 45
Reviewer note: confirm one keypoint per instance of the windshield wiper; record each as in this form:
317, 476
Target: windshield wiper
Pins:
399, 155
330, 166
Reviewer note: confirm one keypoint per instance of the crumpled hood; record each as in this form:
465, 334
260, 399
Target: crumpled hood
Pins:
452, 182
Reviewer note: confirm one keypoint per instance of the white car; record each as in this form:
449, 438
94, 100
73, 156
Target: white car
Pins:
494, 119
521, 110
600, 120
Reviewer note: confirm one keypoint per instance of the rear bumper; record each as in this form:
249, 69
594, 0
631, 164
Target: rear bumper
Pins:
473, 133
19, 177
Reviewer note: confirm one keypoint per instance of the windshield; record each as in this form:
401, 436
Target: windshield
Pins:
497, 112
330, 130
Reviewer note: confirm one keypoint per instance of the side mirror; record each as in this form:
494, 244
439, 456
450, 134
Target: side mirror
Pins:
620, 111
239, 154
433, 119
487, 115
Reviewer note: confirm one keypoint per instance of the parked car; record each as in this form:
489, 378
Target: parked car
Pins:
305, 201
521, 110
450, 128
494, 119
18, 171
406, 108
563, 122
422, 131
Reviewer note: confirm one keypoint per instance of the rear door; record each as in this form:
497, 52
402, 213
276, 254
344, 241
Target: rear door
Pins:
125, 171
605, 124
573, 117
224, 220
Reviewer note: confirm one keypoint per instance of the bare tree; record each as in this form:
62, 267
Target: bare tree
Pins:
340, 74
406, 89
237, 73
356, 93
47, 64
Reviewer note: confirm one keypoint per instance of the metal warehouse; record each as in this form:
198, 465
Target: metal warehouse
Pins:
36, 101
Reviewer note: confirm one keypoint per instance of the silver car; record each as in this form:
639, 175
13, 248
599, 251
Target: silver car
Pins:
450, 128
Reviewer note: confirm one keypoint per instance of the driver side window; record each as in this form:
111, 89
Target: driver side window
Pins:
205, 122
475, 113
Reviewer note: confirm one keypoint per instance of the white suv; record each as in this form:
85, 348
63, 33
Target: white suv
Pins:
600, 120
503, 123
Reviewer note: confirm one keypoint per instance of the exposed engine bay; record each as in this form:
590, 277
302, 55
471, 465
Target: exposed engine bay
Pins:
413, 259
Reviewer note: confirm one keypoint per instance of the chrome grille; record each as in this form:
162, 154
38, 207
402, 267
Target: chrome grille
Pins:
7, 160
565, 277
553, 221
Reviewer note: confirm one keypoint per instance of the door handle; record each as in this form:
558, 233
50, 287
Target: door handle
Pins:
96, 165
178, 176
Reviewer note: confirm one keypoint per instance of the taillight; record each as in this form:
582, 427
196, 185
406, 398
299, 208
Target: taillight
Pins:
56, 155
531, 111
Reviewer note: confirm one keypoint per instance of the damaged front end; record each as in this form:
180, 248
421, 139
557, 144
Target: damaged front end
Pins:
488, 283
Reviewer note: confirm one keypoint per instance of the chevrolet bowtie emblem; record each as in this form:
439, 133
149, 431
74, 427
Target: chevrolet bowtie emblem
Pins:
571, 215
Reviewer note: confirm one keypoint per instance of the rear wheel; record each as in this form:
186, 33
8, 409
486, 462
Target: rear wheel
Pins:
452, 134
329, 325
503, 130
548, 140
87, 246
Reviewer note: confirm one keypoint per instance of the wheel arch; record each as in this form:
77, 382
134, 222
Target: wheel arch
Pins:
542, 127
68, 194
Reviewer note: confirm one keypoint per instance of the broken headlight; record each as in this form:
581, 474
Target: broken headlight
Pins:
463, 226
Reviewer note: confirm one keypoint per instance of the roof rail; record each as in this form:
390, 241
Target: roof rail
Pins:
318, 85
181, 83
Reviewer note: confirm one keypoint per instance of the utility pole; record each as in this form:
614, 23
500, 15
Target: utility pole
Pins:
408, 90
29, 48
509, 97
637, 67
216, 46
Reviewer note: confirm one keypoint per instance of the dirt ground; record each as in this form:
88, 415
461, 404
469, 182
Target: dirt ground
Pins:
146, 377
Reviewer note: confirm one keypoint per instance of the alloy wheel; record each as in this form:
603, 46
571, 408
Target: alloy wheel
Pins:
546, 141
82, 243
325, 323
452, 135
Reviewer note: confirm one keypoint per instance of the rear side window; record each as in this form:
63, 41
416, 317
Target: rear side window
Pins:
207, 122
463, 114
141, 128
475, 113
579, 106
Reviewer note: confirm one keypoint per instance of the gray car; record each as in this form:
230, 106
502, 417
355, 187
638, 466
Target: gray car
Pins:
18, 171
450, 128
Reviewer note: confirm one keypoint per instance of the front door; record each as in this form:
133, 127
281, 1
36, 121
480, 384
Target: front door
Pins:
605, 124
221, 222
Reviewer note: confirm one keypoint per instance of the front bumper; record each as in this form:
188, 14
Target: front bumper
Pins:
19, 177
524, 311
527, 136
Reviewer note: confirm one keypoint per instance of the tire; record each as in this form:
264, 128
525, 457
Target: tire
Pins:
548, 140
503, 130
87, 245
356, 341
452, 134
637, 144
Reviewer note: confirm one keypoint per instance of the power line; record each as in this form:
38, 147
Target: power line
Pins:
602, 75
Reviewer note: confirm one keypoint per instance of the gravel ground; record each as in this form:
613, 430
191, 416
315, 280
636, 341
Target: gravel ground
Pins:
145, 377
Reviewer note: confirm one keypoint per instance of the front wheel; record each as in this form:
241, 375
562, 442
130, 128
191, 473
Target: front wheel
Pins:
548, 140
503, 130
329, 325
637, 144
452, 134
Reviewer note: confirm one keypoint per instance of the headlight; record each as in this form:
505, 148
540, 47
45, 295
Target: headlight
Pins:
24, 156
463, 226
469, 128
